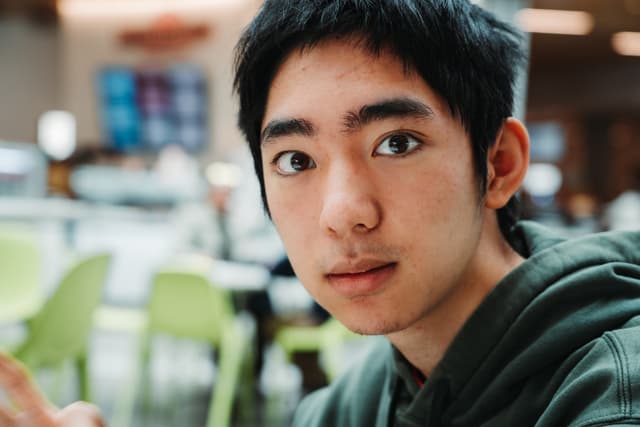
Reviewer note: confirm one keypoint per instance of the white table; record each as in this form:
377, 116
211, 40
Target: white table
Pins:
239, 277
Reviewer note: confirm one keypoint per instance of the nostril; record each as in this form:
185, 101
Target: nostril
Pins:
344, 215
361, 227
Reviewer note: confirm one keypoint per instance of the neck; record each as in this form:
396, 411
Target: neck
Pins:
425, 342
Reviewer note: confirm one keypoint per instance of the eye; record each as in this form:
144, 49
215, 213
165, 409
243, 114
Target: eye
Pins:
397, 145
293, 162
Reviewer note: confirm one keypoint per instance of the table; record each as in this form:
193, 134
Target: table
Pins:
238, 276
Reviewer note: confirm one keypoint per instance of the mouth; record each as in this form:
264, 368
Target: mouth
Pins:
362, 279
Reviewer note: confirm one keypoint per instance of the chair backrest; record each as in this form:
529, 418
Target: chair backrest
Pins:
61, 328
328, 339
186, 304
20, 275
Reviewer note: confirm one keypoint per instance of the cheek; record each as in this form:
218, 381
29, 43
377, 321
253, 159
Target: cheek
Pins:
431, 206
429, 194
292, 215
449, 184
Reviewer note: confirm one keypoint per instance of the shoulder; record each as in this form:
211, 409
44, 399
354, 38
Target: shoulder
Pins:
354, 398
603, 388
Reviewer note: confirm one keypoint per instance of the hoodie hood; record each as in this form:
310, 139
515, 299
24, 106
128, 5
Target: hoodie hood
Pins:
517, 348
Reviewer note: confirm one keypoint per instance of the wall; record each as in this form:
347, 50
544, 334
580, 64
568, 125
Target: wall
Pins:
29, 75
49, 67
89, 43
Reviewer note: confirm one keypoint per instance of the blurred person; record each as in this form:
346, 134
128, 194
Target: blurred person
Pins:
388, 159
30, 409
623, 212
219, 198
253, 236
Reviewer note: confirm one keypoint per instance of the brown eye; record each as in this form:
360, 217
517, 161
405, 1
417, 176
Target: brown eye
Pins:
397, 145
293, 162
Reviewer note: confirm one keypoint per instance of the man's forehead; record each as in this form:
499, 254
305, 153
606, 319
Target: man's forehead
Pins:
355, 76
354, 50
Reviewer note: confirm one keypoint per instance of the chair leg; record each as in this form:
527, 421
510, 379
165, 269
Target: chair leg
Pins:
247, 374
84, 383
145, 359
222, 397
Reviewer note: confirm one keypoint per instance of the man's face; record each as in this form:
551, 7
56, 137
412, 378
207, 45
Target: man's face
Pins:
370, 183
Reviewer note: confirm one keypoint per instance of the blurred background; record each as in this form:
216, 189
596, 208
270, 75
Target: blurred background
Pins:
121, 167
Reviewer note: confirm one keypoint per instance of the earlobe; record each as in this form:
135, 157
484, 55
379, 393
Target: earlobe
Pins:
507, 162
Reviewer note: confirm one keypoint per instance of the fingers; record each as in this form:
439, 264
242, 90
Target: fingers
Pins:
80, 414
15, 381
33, 409
6, 420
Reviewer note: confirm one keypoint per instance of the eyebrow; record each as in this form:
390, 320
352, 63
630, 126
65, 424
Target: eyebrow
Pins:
286, 127
387, 109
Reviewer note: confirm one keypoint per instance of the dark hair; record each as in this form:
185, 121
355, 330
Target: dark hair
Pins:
469, 57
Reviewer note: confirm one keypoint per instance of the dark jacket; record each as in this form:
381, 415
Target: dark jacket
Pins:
556, 343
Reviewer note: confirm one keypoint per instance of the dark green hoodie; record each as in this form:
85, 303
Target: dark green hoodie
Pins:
555, 344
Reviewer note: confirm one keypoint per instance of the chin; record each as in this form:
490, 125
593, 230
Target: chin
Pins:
368, 316
374, 326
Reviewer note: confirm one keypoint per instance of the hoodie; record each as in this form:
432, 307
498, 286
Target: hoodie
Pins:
556, 343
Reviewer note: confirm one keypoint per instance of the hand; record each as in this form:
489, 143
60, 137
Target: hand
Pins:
32, 409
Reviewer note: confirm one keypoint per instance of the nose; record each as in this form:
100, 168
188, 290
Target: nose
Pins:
349, 202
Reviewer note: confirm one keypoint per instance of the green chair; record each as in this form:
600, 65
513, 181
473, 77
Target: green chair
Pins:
60, 330
185, 304
20, 275
327, 339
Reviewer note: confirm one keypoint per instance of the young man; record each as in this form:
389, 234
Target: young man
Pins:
382, 138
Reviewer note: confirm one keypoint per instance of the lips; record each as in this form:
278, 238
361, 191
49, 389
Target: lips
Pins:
366, 277
360, 266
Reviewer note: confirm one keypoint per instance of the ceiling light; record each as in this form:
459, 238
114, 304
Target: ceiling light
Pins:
543, 180
626, 43
117, 8
57, 134
552, 21
223, 174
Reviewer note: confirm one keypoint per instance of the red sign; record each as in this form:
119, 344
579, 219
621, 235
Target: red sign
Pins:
167, 33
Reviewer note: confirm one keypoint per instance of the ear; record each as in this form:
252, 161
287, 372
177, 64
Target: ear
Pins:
507, 163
